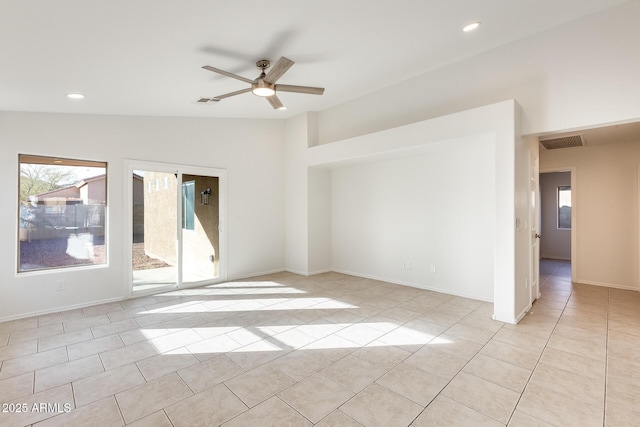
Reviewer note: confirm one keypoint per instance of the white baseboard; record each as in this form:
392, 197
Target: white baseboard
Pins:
412, 284
608, 285
301, 273
513, 320
60, 309
308, 273
313, 273
250, 275
523, 313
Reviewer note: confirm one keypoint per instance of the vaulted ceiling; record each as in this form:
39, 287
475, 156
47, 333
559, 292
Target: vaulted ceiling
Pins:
144, 57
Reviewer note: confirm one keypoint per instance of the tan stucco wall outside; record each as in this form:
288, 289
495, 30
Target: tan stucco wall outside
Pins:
160, 219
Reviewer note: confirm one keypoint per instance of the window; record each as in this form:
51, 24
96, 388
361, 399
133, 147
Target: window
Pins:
188, 201
61, 215
564, 207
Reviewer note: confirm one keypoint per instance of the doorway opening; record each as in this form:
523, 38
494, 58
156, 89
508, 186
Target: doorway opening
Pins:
556, 195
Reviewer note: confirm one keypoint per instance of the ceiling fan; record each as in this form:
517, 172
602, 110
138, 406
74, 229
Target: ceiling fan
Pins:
265, 84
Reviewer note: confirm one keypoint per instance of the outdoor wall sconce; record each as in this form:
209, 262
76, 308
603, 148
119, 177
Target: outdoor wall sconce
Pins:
205, 196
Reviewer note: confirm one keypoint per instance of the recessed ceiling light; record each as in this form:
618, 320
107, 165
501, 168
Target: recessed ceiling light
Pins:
75, 95
470, 27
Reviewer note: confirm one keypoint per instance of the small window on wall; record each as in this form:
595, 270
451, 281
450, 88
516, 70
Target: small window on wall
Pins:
564, 207
61, 213
188, 201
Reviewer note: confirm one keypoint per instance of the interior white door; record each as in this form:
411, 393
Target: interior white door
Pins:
534, 221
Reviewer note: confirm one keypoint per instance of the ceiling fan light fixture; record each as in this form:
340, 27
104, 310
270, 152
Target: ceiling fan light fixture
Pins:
471, 27
262, 88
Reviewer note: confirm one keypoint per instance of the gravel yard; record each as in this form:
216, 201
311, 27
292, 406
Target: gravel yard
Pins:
52, 253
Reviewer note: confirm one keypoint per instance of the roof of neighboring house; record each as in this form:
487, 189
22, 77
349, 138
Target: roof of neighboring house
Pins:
75, 186
57, 190
86, 181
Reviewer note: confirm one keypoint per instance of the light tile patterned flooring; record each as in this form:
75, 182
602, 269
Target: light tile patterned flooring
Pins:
328, 350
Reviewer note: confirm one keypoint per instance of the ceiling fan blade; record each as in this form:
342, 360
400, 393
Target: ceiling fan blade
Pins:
228, 74
227, 95
275, 102
278, 69
300, 89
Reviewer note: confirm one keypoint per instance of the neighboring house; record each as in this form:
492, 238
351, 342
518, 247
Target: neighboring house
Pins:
93, 190
88, 191
58, 196
58, 212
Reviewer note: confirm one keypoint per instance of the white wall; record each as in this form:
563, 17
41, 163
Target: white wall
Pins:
555, 242
580, 74
495, 124
297, 220
319, 216
252, 152
431, 209
308, 201
605, 210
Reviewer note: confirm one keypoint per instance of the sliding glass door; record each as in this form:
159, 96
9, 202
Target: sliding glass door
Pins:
200, 228
154, 214
175, 216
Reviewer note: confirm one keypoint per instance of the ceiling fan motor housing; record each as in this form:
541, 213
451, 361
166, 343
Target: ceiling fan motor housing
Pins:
262, 88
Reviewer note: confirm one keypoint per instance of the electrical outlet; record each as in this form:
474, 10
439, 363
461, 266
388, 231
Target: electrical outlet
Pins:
432, 269
60, 285
409, 265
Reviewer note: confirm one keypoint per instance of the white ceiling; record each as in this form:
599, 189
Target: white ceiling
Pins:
144, 57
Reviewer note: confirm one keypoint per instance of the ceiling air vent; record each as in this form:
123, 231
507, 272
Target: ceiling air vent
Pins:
206, 100
562, 142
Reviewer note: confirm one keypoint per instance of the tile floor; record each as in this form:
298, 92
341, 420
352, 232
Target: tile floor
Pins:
328, 350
